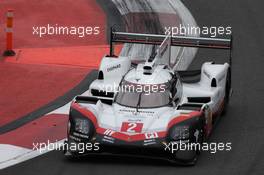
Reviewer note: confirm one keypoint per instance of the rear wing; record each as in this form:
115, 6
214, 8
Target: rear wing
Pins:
182, 41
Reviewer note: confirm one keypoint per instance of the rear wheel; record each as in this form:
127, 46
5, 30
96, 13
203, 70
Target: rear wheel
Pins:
190, 158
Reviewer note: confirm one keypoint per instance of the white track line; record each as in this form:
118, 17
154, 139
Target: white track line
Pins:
12, 155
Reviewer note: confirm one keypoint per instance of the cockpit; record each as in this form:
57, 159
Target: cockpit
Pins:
149, 95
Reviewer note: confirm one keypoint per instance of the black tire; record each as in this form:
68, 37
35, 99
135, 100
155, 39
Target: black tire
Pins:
185, 163
194, 160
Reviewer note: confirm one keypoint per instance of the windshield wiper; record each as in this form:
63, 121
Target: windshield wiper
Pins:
139, 101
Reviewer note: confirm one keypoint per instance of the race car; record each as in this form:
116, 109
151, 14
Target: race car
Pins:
148, 108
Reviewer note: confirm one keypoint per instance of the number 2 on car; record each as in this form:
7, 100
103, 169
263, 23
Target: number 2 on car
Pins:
131, 127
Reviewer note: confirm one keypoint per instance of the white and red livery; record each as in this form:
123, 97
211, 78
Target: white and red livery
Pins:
139, 109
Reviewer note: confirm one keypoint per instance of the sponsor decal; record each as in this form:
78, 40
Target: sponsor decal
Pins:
134, 120
113, 67
80, 135
108, 139
108, 136
149, 142
133, 111
132, 127
151, 135
109, 132
74, 138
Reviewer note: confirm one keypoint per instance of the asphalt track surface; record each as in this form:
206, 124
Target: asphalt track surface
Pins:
243, 125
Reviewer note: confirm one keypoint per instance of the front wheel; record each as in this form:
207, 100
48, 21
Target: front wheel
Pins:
182, 161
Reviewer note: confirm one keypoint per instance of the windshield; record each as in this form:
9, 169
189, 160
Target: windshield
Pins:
143, 99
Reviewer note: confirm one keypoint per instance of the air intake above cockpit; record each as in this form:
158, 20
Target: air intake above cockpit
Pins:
147, 70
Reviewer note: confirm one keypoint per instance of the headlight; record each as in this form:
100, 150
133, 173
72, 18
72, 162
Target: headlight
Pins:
82, 126
179, 133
